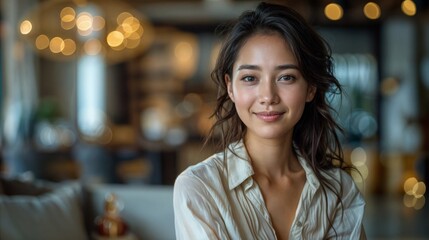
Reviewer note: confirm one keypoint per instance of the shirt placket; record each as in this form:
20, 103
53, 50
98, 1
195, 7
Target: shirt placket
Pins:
254, 194
296, 231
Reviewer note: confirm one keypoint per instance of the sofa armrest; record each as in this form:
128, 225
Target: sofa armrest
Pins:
41, 210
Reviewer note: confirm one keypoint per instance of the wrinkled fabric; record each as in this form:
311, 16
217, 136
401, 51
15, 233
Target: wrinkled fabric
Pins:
218, 199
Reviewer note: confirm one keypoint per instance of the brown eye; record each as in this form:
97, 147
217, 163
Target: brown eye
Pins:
248, 79
287, 78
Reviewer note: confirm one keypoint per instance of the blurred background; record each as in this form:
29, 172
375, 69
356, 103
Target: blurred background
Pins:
109, 91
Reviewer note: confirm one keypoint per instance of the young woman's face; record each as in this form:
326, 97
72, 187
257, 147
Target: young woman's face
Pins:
267, 87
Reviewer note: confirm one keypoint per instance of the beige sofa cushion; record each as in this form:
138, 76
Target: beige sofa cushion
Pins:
39, 210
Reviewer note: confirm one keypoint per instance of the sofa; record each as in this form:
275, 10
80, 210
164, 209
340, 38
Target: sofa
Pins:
39, 209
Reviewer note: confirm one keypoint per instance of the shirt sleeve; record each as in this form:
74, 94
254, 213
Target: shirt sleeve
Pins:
348, 221
196, 215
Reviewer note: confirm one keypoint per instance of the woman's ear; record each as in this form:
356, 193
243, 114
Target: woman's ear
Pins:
311, 92
228, 82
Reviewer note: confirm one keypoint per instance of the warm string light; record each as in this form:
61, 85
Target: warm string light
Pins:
333, 11
67, 29
409, 7
127, 34
26, 27
371, 10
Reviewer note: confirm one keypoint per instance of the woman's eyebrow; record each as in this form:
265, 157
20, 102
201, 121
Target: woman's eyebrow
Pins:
286, 66
249, 67
256, 67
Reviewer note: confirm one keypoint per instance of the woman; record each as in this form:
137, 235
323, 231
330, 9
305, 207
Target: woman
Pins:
281, 174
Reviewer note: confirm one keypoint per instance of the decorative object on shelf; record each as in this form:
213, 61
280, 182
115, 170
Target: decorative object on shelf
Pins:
63, 29
110, 224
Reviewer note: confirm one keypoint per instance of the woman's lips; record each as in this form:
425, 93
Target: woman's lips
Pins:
269, 116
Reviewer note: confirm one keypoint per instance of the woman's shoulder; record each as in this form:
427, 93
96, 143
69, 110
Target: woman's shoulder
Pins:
339, 176
204, 179
209, 169
342, 181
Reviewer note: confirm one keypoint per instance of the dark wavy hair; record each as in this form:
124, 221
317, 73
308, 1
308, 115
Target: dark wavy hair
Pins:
315, 135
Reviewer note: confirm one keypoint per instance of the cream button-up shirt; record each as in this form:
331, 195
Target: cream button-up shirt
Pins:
218, 199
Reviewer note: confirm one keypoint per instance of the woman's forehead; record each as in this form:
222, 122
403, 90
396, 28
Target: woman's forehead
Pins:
260, 49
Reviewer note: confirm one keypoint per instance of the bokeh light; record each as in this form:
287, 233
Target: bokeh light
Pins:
42, 42
68, 17
120, 29
372, 10
409, 185
414, 193
92, 47
98, 23
26, 27
115, 38
409, 7
56, 45
84, 21
359, 158
69, 47
334, 11
183, 51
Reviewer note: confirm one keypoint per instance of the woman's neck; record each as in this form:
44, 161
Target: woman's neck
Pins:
272, 158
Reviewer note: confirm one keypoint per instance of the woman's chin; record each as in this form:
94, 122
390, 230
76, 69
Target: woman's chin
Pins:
269, 134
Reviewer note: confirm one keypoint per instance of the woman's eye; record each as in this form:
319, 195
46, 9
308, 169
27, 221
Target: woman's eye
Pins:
248, 79
287, 78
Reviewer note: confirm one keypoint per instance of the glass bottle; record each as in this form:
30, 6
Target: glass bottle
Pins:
111, 224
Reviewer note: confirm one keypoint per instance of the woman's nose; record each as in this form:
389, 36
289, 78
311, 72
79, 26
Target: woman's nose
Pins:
268, 93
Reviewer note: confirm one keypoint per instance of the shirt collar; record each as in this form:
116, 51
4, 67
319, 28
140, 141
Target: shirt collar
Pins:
309, 173
238, 164
240, 168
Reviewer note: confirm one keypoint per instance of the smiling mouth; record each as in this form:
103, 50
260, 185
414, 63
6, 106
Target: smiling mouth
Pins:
269, 116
